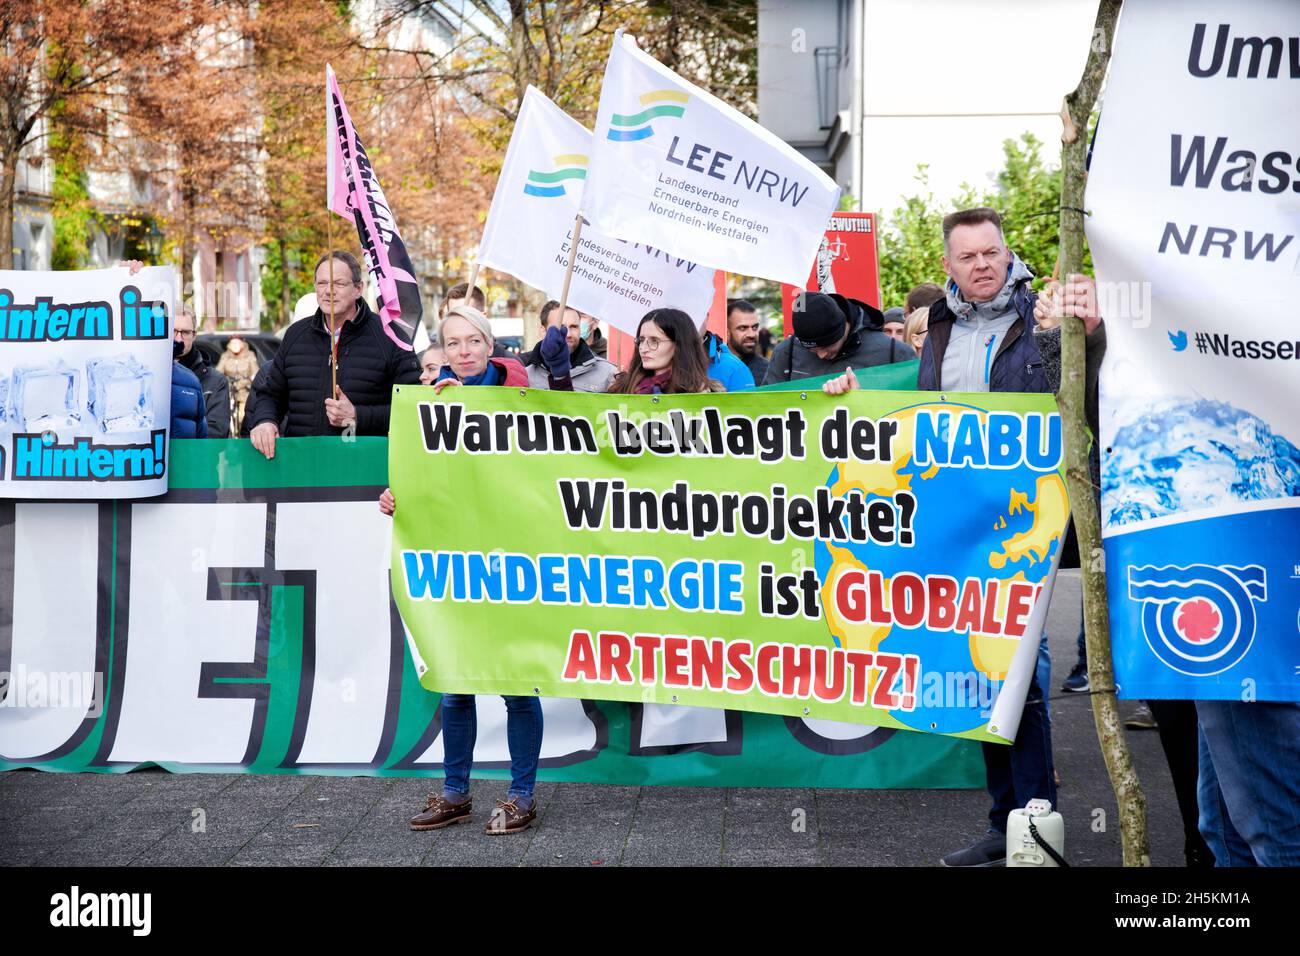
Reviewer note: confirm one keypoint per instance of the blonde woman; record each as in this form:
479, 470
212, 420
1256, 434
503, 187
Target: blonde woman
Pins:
915, 329
466, 338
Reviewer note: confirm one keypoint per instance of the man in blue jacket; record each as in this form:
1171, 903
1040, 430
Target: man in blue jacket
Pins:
984, 338
724, 367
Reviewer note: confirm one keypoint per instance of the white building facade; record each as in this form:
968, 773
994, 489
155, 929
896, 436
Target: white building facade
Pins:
868, 89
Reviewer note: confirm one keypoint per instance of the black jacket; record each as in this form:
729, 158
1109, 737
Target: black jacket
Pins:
865, 347
297, 381
216, 393
755, 362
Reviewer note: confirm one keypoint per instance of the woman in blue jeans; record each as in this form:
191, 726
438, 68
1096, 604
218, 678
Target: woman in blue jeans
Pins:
466, 339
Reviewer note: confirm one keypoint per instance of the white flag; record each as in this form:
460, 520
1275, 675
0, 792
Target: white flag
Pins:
678, 168
529, 230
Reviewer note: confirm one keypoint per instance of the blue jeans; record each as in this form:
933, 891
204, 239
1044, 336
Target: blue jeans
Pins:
1083, 644
523, 737
1249, 785
1043, 672
1023, 771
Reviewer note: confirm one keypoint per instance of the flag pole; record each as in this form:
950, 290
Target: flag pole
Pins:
334, 338
469, 286
568, 270
329, 231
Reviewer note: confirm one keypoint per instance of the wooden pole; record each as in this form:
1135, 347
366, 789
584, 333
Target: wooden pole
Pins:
1078, 439
469, 286
334, 336
568, 270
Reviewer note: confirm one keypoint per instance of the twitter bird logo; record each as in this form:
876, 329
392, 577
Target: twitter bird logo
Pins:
1178, 340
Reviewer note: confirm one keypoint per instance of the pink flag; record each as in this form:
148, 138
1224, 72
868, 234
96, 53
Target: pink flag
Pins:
353, 191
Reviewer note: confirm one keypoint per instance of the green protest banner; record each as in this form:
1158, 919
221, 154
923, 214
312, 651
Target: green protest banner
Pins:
884, 558
242, 623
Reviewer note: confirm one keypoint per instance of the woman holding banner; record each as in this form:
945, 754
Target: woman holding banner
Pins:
467, 342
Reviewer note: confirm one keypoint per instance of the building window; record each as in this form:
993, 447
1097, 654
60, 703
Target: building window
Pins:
826, 61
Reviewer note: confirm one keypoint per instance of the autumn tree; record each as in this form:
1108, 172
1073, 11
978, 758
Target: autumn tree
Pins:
292, 41
77, 60
198, 114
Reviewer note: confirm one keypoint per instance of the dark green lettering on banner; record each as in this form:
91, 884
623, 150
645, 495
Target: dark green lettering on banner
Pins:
875, 559
243, 623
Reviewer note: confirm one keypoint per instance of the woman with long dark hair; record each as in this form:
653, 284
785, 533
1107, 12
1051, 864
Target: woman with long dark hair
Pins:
670, 358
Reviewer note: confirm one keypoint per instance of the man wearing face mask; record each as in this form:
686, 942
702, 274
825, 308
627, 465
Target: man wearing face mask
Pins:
591, 334
189, 417
216, 390
588, 372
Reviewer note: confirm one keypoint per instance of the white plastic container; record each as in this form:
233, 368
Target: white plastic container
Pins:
1022, 848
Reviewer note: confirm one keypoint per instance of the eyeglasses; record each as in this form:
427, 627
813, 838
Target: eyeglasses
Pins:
185, 333
649, 344
341, 286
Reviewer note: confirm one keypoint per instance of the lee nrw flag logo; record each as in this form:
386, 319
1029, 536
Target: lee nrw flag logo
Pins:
676, 168
623, 128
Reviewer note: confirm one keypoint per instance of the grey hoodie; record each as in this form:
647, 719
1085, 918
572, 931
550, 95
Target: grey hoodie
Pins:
977, 332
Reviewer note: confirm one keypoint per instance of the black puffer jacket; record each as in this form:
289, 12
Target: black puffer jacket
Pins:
297, 381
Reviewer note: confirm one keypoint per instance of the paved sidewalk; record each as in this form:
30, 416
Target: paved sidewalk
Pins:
149, 818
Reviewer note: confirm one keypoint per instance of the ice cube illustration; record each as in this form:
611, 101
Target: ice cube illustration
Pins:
121, 393
4, 399
45, 397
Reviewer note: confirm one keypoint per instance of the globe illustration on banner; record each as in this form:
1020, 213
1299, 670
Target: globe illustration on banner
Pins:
1001, 525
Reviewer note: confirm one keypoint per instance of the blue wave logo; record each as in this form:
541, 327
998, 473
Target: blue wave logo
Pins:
551, 184
635, 126
1200, 619
1178, 340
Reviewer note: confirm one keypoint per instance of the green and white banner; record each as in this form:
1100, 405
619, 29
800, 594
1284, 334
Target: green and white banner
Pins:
883, 559
243, 623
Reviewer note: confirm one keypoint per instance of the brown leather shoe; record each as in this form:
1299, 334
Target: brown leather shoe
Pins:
508, 818
440, 812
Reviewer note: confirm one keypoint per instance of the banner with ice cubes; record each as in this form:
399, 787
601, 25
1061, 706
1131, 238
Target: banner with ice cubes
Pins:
85, 383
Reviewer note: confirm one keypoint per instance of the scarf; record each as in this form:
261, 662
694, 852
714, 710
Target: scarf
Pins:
653, 384
489, 376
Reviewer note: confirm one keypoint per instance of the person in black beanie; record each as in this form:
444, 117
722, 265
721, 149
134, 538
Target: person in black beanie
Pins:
833, 333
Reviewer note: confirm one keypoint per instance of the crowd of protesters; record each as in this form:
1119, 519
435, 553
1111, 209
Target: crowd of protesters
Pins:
1236, 765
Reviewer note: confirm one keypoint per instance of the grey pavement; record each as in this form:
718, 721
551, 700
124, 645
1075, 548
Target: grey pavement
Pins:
150, 818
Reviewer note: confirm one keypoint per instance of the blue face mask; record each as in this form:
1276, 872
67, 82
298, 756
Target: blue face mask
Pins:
584, 329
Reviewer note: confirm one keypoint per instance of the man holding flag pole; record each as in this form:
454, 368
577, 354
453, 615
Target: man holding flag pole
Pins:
365, 353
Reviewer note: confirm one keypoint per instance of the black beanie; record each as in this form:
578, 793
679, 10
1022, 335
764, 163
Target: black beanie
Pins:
818, 320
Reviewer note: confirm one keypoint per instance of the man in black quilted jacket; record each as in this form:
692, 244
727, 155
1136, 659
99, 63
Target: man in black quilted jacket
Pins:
294, 387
